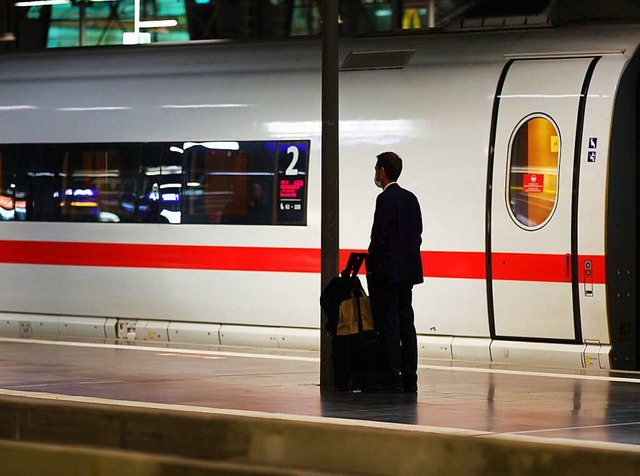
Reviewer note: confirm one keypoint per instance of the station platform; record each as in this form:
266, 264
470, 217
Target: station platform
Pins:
568, 408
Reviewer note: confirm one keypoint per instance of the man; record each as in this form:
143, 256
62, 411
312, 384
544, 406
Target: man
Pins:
393, 267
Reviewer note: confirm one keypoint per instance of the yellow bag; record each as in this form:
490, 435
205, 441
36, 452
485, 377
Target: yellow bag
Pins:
348, 322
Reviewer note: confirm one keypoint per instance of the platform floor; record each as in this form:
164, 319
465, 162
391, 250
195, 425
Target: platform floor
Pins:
549, 403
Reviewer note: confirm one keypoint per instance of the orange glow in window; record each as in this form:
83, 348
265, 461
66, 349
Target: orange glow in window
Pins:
533, 175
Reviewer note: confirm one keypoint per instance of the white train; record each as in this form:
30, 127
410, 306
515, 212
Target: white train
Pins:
173, 192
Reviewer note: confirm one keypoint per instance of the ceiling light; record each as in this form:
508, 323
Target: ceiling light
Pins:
39, 3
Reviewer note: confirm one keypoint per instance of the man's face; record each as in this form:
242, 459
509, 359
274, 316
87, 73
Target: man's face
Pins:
377, 177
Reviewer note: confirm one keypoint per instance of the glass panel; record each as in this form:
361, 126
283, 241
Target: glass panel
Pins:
240, 183
7, 187
161, 181
147, 201
98, 183
292, 182
37, 183
533, 174
171, 183
229, 183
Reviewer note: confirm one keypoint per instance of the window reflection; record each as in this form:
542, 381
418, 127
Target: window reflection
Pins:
37, 182
230, 186
96, 183
161, 180
533, 172
7, 186
190, 182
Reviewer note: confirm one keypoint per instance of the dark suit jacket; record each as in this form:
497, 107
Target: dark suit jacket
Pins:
394, 252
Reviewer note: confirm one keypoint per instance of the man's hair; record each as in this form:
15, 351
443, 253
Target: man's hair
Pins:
391, 163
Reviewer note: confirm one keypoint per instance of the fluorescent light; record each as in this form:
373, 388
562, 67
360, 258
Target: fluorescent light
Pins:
20, 107
158, 24
96, 108
213, 145
242, 174
38, 3
203, 106
131, 38
173, 148
172, 217
537, 96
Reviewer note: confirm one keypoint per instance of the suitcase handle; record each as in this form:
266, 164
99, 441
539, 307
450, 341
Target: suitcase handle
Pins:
353, 265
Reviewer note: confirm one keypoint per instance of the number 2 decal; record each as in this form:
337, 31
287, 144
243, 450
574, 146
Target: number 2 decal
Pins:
291, 170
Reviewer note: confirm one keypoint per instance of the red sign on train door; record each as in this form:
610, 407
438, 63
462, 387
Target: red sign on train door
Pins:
533, 183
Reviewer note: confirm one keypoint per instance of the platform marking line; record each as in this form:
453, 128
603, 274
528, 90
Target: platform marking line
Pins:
166, 350
592, 444
34, 385
527, 373
586, 427
190, 356
53, 384
325, 420
169, 350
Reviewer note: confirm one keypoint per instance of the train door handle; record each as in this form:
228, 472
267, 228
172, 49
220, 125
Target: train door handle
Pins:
567, 268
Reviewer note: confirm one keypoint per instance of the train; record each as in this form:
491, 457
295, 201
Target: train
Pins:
172, 193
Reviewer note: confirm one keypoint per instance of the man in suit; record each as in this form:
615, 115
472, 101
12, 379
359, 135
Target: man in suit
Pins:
394, 266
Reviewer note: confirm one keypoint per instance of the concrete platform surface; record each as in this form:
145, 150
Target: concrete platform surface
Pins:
469, 401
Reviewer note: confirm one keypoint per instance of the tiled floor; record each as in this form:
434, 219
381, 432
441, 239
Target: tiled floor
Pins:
552, 403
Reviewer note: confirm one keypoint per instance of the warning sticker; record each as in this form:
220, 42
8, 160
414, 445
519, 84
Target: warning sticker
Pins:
533, 183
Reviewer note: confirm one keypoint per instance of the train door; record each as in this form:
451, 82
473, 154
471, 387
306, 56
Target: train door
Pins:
529, 239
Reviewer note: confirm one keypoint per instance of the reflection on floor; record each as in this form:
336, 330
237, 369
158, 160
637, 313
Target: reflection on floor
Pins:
556, 404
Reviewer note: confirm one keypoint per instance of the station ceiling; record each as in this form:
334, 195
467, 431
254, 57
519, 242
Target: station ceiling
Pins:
27, 25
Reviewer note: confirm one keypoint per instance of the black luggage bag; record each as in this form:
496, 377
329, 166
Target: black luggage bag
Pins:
355, 357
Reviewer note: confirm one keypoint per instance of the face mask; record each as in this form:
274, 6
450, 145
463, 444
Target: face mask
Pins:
376, 181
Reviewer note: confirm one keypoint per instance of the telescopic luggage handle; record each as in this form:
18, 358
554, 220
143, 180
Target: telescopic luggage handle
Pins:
353, 265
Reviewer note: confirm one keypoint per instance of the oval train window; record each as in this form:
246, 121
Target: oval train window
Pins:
533, 172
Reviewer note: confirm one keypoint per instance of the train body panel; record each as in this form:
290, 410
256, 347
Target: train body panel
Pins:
593, 192
430, 111
460, 113
224, 297
529, 216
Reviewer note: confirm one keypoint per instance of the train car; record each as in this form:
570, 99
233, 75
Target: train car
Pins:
172, 193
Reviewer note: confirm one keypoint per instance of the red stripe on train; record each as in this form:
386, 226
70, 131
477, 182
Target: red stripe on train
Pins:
227, 258
437, 264
545, 268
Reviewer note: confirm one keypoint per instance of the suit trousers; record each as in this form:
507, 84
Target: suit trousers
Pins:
394, 320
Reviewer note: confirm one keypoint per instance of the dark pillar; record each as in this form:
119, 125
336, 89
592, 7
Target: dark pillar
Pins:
32, 27
397, 12
330, 226
202, 20
82, 22
7, 38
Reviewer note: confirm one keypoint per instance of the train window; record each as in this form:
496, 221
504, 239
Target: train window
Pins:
255, 183
228, 183
97, 183
7, 186
533, 171
161, 181
37, 181
240, 183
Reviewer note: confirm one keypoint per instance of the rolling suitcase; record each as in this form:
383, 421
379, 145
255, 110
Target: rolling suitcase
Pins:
355, 348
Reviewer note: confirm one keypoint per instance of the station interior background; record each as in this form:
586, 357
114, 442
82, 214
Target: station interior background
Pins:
35, 25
